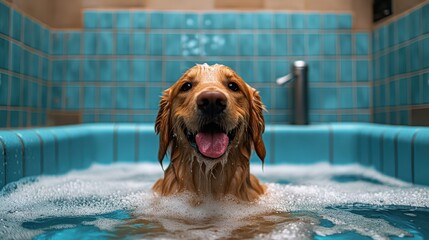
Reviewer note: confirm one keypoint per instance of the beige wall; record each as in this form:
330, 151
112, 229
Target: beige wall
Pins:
67, 14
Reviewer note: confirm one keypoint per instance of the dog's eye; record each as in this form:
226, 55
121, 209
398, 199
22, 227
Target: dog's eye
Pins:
186, 86
233, 86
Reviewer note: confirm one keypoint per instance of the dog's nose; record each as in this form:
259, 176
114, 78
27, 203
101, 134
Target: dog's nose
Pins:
211, 102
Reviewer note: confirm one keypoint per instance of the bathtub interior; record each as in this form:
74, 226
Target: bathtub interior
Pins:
399, 152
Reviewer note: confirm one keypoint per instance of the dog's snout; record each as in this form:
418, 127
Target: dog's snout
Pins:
211, 102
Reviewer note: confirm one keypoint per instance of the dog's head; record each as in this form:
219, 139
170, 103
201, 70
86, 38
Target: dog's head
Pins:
208, 112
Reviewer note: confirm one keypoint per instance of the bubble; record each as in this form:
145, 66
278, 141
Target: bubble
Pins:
298, 198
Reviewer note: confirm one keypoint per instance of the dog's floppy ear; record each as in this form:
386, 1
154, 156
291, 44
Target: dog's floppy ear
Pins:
257, 123
162, 125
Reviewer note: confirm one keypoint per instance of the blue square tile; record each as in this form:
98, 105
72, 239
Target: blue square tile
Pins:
280, 47
4, 49
105, 70
122, 70
139, 71
281, 98
313, 20
173, 71
46, 40
89, 96
247, 20
264, 44
16, 25
16, 58
313, 44
425, 15
4, 19
153, 97
223, 45
382, 37
416, 89
425, 52
72, 73
73, 43
105, 19
297, 44
89, 70
345, 41
173, 45
15, 92
190, 45
330, 21
246, 70
123, 40
264, 21
362, 72
403, 29
329, 44
122, 97
28, 32
105, 43
281, 20
414, 54
90, 20
345, 97
139, 94
391, 30
4, 90
426, 88
414, 23
314, 75
139, 20
346, 70
361, 41
90, 43
155, 71
57, 70
344, 21
34, 68
123, 20
329, 73
329, 98
73, 97
297, 21
139, 44
404, 92
16, 120
229, 20
156, 47
105, 100
172, 20
247, 44
382, 67
264, 72
401, 60
362, 95
393, 96
190, 21
156, 20
37, 33
57, 93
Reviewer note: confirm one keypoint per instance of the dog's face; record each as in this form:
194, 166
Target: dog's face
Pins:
209, 111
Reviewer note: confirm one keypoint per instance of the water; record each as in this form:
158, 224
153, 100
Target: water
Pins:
303, 202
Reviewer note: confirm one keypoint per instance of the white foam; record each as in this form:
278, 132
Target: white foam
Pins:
311, 189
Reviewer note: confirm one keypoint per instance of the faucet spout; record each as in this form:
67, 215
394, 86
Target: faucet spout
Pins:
285, 79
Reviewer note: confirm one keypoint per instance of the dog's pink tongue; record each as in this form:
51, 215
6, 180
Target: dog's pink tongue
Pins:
212, 145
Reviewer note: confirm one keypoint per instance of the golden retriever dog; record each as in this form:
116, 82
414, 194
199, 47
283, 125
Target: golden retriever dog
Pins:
210, 120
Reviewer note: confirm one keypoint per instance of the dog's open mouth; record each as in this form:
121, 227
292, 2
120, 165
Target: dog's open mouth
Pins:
211, 140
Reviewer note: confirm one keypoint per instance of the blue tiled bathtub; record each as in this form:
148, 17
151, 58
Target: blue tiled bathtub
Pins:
401, 152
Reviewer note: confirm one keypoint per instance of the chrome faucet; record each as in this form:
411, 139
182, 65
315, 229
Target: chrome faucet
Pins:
298, 77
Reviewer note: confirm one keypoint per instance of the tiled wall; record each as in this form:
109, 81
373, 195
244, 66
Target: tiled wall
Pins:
24, 69
115, 68
401, 66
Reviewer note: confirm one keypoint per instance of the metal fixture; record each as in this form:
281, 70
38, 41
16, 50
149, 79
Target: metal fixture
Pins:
298, 77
